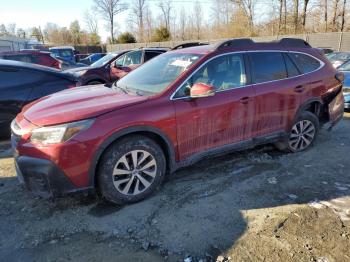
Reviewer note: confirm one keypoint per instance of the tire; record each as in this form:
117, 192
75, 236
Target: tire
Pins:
300, 141
119, 181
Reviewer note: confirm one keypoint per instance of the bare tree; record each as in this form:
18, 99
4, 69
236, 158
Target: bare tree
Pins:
248, 8
166, 7
138, 10
198, 15
295, 15
91, 22
183, 23
148, 24
280, 15
285, 15
335, 14
109, 9
303, 16
325, 18
343, 16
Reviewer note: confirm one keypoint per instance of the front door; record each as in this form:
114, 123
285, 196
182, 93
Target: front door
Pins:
212, 122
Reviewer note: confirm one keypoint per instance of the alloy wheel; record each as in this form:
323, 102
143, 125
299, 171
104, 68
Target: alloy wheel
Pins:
134, 172
302, 135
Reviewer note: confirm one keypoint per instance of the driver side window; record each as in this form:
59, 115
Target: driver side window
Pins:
133, 58
120, 61
225, 72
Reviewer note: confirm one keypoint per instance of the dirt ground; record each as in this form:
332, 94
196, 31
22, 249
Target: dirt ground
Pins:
256, 205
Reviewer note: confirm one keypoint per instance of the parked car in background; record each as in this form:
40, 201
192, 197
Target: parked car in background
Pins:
115, 65
345, 69
173, 111
326, 50
92, 58
67, 64
67, 53
32, 56
339, 58
22, 83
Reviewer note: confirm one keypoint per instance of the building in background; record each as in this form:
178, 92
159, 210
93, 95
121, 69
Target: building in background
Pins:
12, 43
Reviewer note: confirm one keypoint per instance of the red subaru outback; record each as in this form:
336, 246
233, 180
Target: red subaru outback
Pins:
174, 110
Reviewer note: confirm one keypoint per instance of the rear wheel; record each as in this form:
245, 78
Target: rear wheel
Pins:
302, 134
131, 170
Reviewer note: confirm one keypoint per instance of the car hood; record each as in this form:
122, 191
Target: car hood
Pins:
77, 104
78, 69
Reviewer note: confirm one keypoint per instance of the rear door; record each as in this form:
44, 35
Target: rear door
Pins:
212, 122
125, 64
277, 91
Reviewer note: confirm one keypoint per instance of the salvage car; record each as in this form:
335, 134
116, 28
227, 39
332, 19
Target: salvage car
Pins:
114, 66
33, 56
22, 83
345, 68
339, 58
171, 112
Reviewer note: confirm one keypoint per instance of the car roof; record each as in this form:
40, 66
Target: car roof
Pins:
11, 63
24, 52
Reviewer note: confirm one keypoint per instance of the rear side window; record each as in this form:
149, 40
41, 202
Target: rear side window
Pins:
149, 55
292, 70
267, 66
305, 63
20, 58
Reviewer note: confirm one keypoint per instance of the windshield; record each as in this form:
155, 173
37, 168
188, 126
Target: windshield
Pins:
104, 60
156, 75
340, 57
345, 67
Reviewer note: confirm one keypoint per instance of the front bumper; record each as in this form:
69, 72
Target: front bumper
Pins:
43, 177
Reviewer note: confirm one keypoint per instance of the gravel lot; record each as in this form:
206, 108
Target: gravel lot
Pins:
256, 205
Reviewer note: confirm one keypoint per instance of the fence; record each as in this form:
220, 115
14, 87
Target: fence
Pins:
339, 41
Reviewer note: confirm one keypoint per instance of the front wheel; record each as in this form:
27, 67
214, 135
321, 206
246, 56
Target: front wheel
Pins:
131, 170
302, 134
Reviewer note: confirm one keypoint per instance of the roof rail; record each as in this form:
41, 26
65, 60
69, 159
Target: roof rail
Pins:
240, 42
244, 42
190, 44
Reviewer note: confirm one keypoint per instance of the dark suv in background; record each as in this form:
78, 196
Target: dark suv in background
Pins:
115, 65
171, 112
22, 83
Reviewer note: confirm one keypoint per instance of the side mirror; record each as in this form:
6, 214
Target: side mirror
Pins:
202, 90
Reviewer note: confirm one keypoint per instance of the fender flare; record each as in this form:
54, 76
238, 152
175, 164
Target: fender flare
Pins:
305, 105
129, 131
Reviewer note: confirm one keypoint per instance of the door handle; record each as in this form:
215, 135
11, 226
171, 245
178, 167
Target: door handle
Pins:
299, 89
245, 100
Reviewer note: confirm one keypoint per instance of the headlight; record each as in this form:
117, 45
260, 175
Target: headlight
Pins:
59, 133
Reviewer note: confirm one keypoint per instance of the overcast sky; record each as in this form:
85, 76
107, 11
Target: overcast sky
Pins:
30, 13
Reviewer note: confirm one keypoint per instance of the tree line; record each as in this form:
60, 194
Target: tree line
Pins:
163, 20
